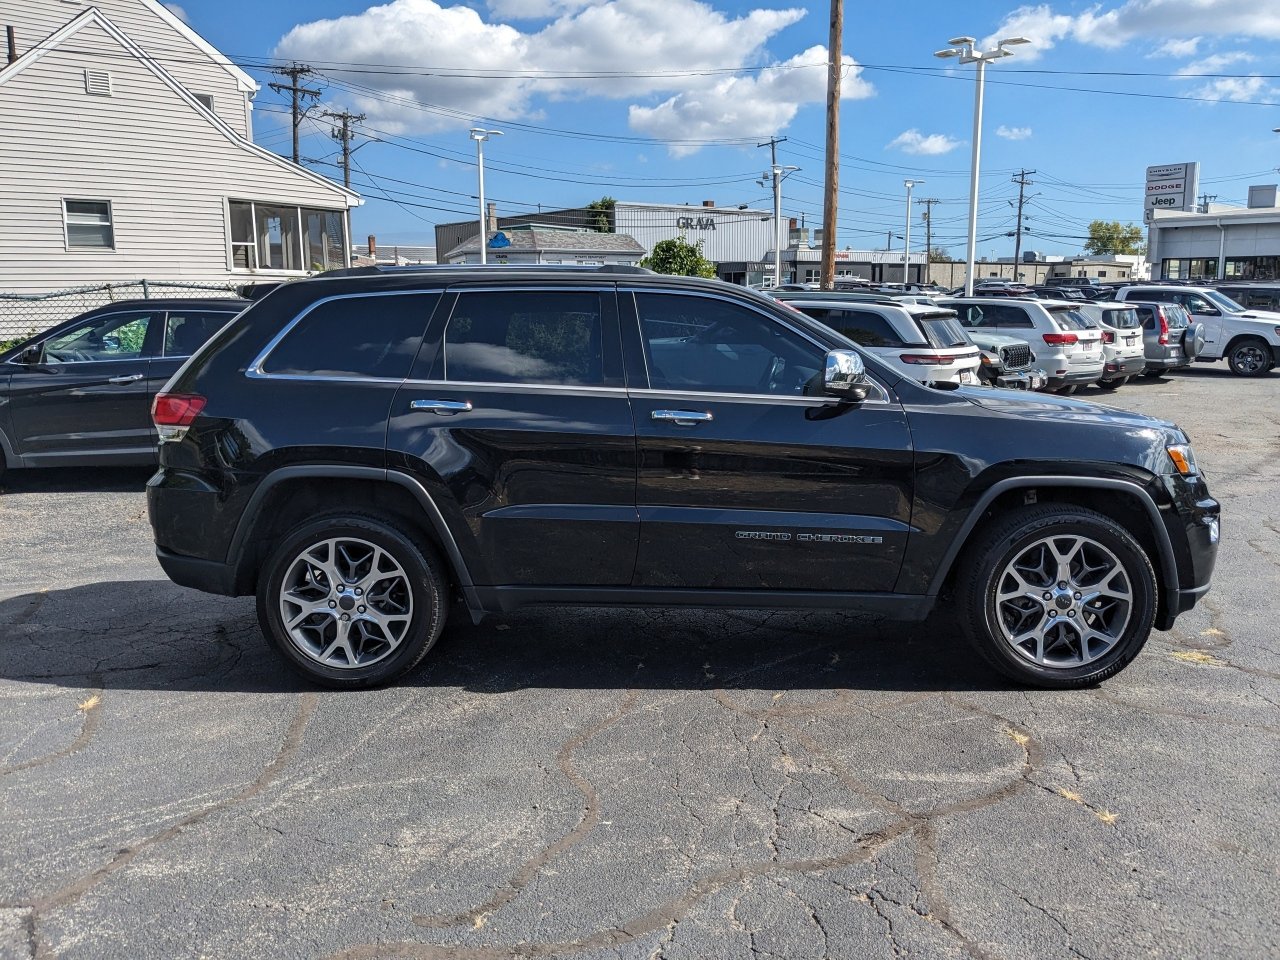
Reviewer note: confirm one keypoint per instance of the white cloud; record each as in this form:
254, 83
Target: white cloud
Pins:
913, 141
1013, 133
1133, 19
677, 49
1232, 88
1214, 63
1176, 48
752, 106
177, 11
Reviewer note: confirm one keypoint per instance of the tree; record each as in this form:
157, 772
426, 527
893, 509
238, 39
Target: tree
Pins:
599, 221
1112, 236
938, 255
679, 257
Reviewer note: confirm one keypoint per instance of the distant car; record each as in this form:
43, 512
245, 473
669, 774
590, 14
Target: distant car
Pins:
923, 343
1058, 293
1071, 354
1123, 353
1254, 296
1006, 361
80, 393
1170, 339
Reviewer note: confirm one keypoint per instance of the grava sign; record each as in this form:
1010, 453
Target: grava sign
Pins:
695, 223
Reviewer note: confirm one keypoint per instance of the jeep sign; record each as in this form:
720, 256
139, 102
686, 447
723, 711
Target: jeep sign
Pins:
1172, 187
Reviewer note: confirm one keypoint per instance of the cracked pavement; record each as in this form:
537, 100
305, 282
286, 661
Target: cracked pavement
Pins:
632, 784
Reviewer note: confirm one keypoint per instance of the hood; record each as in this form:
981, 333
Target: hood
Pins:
1269, 316
1045, 406
994, 341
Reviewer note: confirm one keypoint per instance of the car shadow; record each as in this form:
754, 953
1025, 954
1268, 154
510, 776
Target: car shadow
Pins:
76, 480
153, 635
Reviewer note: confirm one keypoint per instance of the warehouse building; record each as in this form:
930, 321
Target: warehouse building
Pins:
1218, 241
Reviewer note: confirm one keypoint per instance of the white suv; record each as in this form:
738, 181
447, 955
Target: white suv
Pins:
1072, 351
923, 342
1124, 354
1248, 339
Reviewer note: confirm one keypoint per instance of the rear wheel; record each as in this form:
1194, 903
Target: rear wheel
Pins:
1057, 596
1113, 383
351, 602
1066, 391
1250, 357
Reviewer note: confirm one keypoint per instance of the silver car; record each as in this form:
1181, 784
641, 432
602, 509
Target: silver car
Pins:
1170, 338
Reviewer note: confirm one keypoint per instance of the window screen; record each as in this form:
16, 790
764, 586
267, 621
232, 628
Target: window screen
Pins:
553, 337
367, 336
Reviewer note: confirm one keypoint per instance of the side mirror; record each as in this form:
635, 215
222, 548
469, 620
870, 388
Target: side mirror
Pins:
31, 355
845, 376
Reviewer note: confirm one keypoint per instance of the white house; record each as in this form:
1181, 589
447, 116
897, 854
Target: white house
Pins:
127, 154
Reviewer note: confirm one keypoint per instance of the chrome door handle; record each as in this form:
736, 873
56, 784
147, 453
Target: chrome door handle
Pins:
132, 378
682, 418
443, 407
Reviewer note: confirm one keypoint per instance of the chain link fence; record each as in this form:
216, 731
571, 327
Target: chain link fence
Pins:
22, 315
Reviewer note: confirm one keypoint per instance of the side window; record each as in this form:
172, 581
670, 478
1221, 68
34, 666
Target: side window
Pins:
863, 327
528, 336
185, 331
1006, 316
701, 344
364, 336
1195, 304
116, 337
1147, 316
971, 315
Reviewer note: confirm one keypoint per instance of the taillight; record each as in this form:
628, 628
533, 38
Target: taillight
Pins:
1108, 336
1061, 338
172, 414
176, 409
1164, 327
934, 358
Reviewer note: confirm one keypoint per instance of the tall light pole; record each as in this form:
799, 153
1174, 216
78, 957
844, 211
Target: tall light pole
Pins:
778, 173
480, 135
906, 245
965, 49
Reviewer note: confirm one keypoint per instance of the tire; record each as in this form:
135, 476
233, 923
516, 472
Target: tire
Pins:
1066, 391
1011, 633
1113, 383
393, 620
1250, 357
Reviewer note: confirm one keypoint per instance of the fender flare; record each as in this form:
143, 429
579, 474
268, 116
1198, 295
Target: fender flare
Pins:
244, 528
1168, 565
8, 456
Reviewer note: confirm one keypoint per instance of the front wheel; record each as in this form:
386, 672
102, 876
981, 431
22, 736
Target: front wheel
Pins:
1249, 358
351, 602
1066, 391
1057, 596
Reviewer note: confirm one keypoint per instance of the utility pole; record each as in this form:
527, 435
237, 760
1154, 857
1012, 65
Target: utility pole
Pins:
776, 173
295, 72
831, 182
927, 217
344, 135
1205, 200
1021, 179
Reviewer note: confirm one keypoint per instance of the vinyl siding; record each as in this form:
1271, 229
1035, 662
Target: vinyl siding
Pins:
33, 20
165, 167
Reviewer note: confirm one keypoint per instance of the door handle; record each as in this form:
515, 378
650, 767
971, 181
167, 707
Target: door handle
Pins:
682, 418
446, 408
132, 378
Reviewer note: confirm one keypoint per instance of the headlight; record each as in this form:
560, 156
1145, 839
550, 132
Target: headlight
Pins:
1184, 461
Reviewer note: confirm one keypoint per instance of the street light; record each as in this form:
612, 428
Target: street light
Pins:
906, 252
778, 172
963, 47
480, 135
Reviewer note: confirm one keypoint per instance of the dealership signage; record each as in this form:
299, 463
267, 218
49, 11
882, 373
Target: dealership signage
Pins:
1172, 187
695, 223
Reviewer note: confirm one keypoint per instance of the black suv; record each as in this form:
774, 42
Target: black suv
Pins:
364, 450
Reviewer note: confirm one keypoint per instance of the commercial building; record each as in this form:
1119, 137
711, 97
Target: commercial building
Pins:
1218, 241
127, 154
541, 244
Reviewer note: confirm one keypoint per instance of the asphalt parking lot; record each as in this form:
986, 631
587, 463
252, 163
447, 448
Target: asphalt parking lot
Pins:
633, 784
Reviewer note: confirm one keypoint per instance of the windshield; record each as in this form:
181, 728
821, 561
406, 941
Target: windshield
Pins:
1072, 320
1119, 319
1221, 301
943, 330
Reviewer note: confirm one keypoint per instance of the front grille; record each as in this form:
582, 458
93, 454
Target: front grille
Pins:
1016, 358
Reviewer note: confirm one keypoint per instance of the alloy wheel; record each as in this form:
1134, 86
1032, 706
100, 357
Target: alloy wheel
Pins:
1063, 601
1250, 359
346, 603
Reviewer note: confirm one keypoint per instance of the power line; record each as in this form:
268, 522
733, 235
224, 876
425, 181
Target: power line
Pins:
295, 72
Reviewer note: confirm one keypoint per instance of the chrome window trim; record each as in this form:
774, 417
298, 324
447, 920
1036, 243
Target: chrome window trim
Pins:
484, 386
460, 292
255, 371
786, 398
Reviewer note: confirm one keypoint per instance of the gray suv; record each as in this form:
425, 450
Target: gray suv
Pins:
1169, 336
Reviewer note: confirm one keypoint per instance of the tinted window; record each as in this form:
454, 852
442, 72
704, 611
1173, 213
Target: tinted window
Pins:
1004, 315
527, 337
367, 336
943, 331
1147, 316
860, 326
1072, 320
118, 336
185, 331
1120, 319
703, 344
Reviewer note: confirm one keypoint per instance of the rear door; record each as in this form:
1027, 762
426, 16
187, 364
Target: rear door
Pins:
87, 400
185, 332
517, 414
749, 477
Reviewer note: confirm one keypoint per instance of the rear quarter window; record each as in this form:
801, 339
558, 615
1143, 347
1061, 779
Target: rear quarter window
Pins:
366, 336
861, 326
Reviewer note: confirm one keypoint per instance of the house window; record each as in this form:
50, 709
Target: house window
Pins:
267, 236
206, 101
88, 223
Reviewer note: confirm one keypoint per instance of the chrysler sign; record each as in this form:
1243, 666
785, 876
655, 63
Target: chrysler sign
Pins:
1172, 187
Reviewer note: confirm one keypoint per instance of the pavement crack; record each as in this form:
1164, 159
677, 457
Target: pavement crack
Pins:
90, 710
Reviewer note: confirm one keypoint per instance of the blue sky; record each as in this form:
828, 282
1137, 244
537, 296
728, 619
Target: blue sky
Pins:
664, 101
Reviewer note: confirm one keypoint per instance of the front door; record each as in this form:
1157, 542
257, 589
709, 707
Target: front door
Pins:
517, 415
87, 399
749, 477
1206, 314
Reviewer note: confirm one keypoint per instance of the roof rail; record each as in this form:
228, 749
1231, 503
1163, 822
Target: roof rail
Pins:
467, 267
